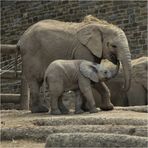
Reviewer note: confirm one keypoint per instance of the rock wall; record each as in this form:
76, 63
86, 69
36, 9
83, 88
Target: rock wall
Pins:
131, 16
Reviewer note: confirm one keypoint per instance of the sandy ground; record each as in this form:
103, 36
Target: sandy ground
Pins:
21, 144
24, 129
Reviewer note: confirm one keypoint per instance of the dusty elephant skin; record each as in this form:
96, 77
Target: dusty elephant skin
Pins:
77, 75
91, 39
137, 94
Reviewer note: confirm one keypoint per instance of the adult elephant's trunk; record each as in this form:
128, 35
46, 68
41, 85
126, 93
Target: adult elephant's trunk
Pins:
125, 58
117, 69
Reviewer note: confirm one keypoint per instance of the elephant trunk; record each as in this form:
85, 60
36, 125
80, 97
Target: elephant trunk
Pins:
117, 69
125, 59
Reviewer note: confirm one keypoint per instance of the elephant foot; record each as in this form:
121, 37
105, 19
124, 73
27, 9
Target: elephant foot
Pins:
93, 110
85, 107
64, 110
107, 107
80, 111
55, 112
39, 109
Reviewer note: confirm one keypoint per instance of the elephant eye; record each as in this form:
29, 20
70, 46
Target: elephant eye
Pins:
114, 46
105, 72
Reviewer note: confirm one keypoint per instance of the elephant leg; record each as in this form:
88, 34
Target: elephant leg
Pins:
136, 95
56, 91
62, 107
54, 105
82, 101
105, 96
84, 105
87, 92
78, 102
35, 103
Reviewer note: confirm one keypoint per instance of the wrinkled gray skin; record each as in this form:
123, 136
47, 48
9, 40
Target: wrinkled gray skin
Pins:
65, 75
137, 94
49, 40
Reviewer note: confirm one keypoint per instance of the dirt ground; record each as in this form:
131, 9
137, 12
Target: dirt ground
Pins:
24, 129
21, 144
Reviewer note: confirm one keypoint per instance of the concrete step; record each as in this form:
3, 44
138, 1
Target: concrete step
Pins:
142, 108
94, 140
41, 133
88, 120
119, 127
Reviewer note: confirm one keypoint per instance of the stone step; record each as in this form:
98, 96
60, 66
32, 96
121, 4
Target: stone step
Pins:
142, 108
94, 140
88, 120
41, 133
117, 126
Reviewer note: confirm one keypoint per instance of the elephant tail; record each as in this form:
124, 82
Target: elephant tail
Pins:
44, 87
9, 49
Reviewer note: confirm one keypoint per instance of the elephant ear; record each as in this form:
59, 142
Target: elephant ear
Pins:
91, 37
89, 70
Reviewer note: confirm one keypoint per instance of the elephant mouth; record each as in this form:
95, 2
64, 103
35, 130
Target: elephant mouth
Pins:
105, 79
114, 59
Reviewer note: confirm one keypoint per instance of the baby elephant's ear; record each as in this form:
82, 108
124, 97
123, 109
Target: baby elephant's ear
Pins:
89, 70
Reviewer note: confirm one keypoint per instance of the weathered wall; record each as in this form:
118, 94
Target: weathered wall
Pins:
131, 16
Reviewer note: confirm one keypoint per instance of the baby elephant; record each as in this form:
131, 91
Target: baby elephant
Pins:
64, 75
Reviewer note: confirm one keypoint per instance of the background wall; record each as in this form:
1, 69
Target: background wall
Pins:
131, 16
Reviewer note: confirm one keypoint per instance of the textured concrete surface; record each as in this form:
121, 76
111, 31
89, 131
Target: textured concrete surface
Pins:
94, 140
124, 126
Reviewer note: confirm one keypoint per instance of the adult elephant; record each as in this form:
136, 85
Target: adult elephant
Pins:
49, 40
138, 92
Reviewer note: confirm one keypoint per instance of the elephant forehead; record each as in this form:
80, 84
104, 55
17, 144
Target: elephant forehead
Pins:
106, 64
